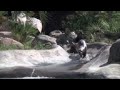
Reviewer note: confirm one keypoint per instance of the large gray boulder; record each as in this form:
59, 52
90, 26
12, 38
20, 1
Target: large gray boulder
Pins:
111, 69
45, 39
27, 58
115, 52
35, 23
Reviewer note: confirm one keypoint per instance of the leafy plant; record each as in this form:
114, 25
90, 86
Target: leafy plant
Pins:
20, 32
93, 23
6, 47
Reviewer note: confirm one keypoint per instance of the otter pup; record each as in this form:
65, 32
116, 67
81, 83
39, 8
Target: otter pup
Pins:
80, 47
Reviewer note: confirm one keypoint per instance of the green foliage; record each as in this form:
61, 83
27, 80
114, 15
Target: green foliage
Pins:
43, 17
78, 20
2, 13
2, 18
20, 32
93, 23
6, 47
27, 43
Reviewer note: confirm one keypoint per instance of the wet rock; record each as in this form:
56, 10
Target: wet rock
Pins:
115, 52
11, 58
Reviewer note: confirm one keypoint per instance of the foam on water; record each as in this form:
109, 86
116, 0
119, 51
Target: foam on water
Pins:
93, 69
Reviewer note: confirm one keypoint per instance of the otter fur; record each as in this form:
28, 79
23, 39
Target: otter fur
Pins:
80, 47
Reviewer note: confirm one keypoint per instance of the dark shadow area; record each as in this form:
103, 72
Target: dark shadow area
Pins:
54, 20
